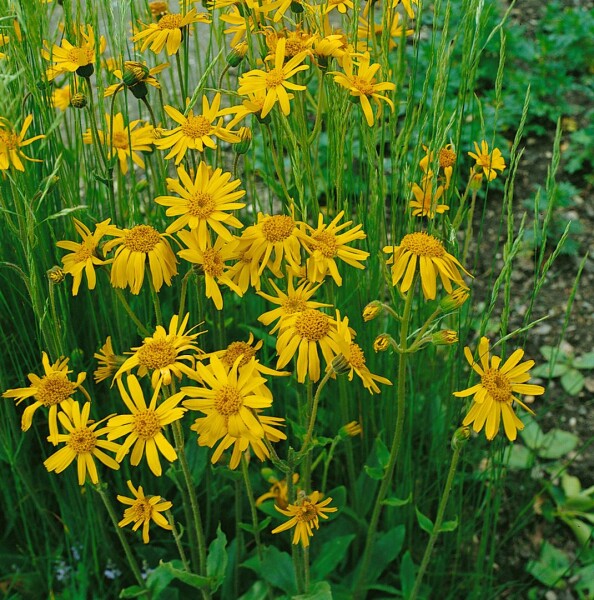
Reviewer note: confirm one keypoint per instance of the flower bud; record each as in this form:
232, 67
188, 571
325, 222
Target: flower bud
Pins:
237, 54
56, 275
340, 365
445, 337
454, 300
245, 135
460, 437
134, 72
85, 70
382, 342
78, 100
350, 430
476, 180
372, 310
296, 7
158, 9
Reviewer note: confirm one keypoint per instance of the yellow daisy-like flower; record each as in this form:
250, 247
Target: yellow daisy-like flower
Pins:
274, 81
83, 256
342, 6
168, 31
446, 160
12, 142
135, 77
134, 247
495, 394
144, 426
354, 356
239, 24
51, 390
108, 361
366, 30
212, 263
4, 40
279, 491
294, 300
305, 516
165, 353
432, 259
228, 398
203, 202
329, 242
270, 241
243, 444
82, 443
71, 59
303, 333
425, 203
142, 510
362, 85
124, 141
252, 106
195, 132
489, 162
296, 42
61, 98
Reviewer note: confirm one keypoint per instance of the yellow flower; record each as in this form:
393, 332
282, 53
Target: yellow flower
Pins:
243, 444
289, 303
239, 24
252, 106
51, 390
494, 395
4, 40
142, 510
165, 353
362, 85
135, 76
355, 357
168, 31
426, 199
134, 247
274, 81
446, 161
70, 59
279, 492
203, 202
489, 162
382, 342
351, 429
305, 516
296, 42
341, 5
61, 97
432, 259
194, 132
144, 426
108, 361
212, 263
12, 142
229, 396
83, 256
328, 242
269, 241
124, 141
303, 332
82, 443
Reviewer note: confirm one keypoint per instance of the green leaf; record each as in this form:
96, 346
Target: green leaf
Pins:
407, 574
551, 566
425, 523
258, 591
261, 525
320, 591
374, 472
585, 361
386, 548
448, 526
276, 568
581, 530
216, 560
573, 382
586, 580
546, 371
160, 578
557, 443
571, 485
518, 457
331, 555
531, 434
547, 351
134, 591
397, 501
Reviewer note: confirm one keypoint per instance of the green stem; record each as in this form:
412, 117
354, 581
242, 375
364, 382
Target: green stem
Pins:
396, 441
141, 328
313, 414
438, 521
127, 550
254, 512
177, 538
468, 234
179, 446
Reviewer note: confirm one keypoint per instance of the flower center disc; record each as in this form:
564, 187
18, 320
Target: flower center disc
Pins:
213, 263
365, 87
196, 127
228, 401
274, 78
156, 354
142, 238
236, 349
325, 242
146, 424
278, 228
142, 510
312, 325
120, 140
172, 21
82, 441
307, 513
54, 388
497, 385
201, 205
357, 359
294, 305
81, 56
423, 244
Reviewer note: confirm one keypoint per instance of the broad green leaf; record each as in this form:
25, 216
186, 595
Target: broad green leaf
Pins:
449, 525
160, 578
581, 530
546, 371
586, 580
386, 548
374, 472
571, 485
258, 591
134, 591
276, 568
331, 555
518, 457
531, 434
425, 523
547, 351
407, 574
557, 443
216, 560
551, 567
261, 525
319, 591
397, 501
573, 382
585, 361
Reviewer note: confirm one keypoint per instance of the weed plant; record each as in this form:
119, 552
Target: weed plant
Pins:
195, 222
